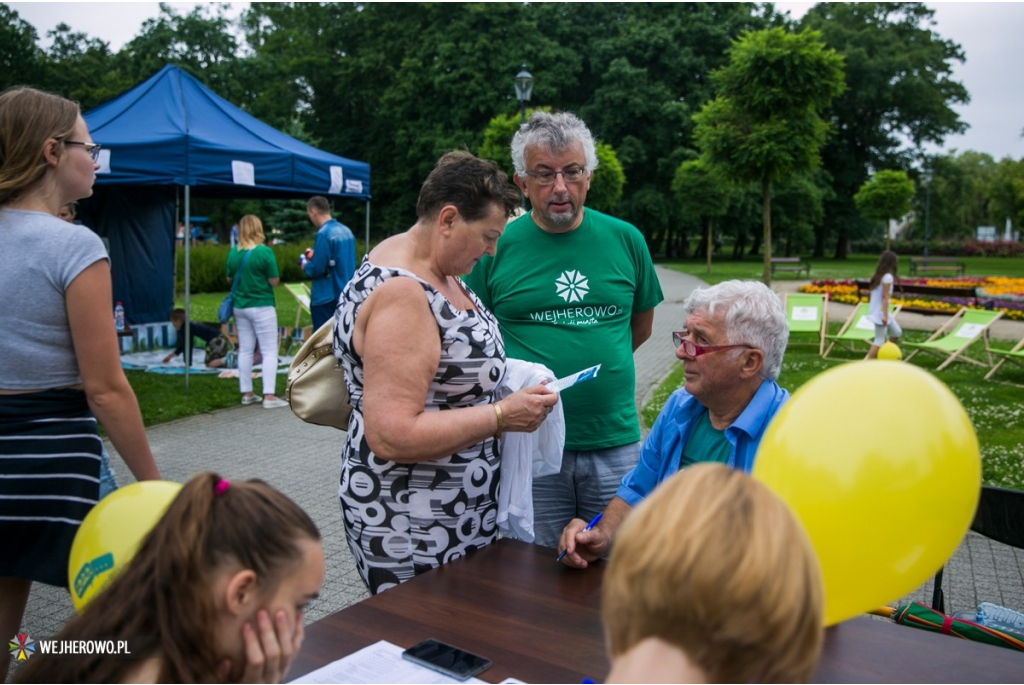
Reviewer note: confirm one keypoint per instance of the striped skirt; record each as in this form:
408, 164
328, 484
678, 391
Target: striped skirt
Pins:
49, 480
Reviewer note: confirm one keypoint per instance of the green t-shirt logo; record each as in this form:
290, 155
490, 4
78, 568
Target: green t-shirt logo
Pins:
572, 286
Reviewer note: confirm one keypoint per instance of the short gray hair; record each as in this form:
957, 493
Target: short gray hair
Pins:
753, 316
554, 132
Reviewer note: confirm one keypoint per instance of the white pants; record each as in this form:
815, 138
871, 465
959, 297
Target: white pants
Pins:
892, 329
257, 323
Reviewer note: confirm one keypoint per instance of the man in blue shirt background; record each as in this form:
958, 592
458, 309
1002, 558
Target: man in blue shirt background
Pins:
333, 261
732, 346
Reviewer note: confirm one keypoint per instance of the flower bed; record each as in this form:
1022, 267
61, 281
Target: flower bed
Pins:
999, 293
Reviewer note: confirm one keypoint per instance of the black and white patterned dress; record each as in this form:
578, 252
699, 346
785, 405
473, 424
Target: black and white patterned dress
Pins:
404, 519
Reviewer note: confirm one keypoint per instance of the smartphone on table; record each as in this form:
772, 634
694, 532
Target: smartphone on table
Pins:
444, 658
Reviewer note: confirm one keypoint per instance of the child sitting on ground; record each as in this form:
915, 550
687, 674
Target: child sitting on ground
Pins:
217, 345
219, 584
712, 579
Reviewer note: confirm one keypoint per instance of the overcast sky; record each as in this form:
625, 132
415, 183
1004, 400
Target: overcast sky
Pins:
988, 33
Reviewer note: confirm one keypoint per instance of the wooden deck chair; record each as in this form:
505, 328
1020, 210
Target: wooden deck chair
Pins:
1014, 356
957, 334
807, 313
857, 329
300, 291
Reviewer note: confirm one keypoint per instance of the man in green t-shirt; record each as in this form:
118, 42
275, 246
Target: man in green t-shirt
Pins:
571, 288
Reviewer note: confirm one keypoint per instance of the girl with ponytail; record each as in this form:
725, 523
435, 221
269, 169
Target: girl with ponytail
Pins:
215, 593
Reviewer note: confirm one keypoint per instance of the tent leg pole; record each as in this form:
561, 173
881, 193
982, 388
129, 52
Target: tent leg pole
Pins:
187, 328
366, 246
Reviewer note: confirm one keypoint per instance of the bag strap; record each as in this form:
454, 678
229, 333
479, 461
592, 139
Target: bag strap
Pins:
234, 281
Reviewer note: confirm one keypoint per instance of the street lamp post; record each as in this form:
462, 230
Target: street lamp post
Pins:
927, 207
524, 89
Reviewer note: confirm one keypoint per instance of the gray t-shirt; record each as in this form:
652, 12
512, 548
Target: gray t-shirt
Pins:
40, 256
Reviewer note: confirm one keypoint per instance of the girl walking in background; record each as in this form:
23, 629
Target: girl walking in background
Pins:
878, 305
255, 267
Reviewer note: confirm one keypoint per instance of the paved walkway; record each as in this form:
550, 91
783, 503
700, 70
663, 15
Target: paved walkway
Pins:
304, 461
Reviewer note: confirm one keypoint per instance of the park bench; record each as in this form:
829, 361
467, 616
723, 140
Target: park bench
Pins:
790, 264
919, 265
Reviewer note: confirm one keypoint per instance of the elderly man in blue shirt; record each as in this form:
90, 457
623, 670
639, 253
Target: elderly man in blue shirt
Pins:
333, 261
731, 349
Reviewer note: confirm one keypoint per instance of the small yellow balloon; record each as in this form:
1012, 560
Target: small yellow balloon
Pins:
881, 464
111, 533
890, 350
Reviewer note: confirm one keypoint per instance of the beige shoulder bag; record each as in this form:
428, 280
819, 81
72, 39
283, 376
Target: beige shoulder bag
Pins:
316, 387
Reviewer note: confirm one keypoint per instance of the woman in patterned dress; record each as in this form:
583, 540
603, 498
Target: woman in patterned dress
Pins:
422, 359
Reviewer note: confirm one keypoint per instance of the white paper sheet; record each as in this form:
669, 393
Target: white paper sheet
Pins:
571, 380
337, 176
969, 330
804, 314
104, 162
243, 173
864, 323
379, 663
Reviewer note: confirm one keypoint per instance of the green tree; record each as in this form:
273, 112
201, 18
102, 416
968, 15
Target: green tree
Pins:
21, 61
797, 208
765, 123
200, 42
900, 87
82, 68
885, 197
397, 85
701, 193
1007, 193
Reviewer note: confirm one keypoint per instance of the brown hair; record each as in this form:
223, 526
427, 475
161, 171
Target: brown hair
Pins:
319, 204
715, 564
164, 592
250, 232
29, 118
887, 264
177, 315
473, 185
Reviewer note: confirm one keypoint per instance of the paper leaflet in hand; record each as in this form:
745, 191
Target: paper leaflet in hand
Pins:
571, 380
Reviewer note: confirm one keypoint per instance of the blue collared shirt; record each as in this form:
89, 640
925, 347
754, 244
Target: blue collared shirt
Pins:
661, 451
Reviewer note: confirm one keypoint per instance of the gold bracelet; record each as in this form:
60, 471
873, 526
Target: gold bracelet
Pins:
501, 420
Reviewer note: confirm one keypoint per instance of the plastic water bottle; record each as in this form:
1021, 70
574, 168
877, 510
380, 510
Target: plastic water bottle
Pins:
119, 317
1000, 618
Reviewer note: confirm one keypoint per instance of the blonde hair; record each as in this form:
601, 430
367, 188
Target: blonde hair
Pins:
28, 119
250, 232
714, 563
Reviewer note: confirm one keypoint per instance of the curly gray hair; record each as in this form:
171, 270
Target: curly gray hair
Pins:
753, 316
554, 132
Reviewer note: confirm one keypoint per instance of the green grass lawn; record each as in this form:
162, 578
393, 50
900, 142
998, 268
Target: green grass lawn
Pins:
996, 408
203, 306
163, 397
856, 266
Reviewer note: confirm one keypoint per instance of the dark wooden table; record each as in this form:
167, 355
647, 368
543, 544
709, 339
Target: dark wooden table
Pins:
539, 621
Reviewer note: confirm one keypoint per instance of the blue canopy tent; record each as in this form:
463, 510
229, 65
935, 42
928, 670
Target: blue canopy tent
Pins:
169, 133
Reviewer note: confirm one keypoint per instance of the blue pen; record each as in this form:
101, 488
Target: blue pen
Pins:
593, 522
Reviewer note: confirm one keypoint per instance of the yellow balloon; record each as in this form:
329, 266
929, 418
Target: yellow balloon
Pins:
890, 350
881, 464
111, 532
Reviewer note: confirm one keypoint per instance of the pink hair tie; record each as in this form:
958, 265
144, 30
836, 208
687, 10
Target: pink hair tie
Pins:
221, 487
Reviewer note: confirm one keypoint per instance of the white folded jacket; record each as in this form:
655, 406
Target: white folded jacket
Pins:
526, 455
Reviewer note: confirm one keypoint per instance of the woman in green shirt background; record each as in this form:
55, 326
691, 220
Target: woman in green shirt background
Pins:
255, 316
